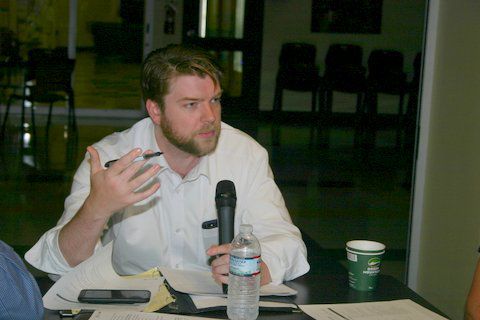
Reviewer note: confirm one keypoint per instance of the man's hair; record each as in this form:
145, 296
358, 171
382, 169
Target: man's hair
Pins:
164, 64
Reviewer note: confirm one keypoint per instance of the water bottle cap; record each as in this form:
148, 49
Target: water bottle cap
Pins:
246, 228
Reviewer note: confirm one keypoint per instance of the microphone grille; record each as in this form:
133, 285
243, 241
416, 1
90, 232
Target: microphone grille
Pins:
225, 189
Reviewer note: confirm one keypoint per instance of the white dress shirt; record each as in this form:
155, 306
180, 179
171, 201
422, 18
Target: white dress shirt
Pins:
166, 228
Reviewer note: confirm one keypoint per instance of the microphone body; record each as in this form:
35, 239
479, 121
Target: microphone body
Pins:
225, 200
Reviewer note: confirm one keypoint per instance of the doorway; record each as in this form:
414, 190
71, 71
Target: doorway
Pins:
232, 31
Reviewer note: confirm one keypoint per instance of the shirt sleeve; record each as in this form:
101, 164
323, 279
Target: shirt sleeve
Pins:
283, 249
45, 255
20, 297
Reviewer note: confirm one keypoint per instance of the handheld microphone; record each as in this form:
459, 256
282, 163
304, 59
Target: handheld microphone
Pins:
225, 200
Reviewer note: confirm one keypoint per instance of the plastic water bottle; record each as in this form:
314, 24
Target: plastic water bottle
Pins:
244, 276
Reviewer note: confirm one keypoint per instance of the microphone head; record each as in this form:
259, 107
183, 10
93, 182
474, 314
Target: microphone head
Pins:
225, 194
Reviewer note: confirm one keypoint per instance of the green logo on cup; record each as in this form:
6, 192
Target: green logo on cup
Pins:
374, 262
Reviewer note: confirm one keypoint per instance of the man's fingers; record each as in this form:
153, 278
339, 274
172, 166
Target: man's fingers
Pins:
221, 260
217, 250
138, 181
121, 164
147, 152
220, 278
95, 165
139, 196
221, 268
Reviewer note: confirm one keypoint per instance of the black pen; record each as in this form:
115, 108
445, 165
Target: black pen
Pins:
143, 157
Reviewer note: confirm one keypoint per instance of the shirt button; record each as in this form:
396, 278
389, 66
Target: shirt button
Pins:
178, 230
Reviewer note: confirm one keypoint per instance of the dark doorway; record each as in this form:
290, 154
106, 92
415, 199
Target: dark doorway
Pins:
232, 31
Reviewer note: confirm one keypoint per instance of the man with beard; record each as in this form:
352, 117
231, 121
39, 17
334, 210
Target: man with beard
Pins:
154, 211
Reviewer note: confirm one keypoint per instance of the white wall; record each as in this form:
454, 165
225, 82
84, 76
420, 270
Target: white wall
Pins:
289, 21
447, 185
156, 18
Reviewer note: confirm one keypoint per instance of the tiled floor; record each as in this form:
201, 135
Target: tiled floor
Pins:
334, 193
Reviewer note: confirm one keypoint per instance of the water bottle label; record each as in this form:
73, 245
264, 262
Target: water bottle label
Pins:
245, 267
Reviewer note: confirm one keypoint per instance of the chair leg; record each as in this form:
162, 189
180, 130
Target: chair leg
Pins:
314, 101
359, 119
277, 100
34, 127
34, 135
47, 135
324, 118
72, 119
370, 118
328, 107
313, 114
321, 101
329, 102
49, 119
399, 121
5, 117
22, 127
277, 109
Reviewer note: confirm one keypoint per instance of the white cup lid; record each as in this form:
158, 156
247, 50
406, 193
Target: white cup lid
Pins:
365, 246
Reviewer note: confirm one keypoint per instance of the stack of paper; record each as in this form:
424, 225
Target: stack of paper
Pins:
202, 283
384, 310
96, 273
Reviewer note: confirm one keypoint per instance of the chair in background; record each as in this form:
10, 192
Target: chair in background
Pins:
10, 63
385, 75
296, 72
9, 56
47, 80
344, 72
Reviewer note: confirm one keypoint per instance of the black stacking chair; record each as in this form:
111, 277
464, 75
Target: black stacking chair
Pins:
296, 72
9, 56
47, 80
385, 75
344, 72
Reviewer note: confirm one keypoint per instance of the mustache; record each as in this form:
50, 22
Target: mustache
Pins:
208, 128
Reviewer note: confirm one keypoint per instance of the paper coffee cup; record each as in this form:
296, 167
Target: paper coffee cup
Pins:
364, 260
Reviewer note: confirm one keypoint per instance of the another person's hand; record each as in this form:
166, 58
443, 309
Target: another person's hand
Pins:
115, 188
221, 265
472, 308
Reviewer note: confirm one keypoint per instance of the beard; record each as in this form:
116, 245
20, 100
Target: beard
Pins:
188, 144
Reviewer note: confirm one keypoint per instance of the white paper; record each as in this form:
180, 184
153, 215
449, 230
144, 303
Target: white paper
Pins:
202, 283
384, 310
95, 273
129, 315
202, 302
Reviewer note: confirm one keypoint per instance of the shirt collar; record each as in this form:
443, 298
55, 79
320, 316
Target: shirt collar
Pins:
201, 169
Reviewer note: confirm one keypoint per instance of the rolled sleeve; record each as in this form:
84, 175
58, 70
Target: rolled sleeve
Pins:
45, 255
285, 258
283, 250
